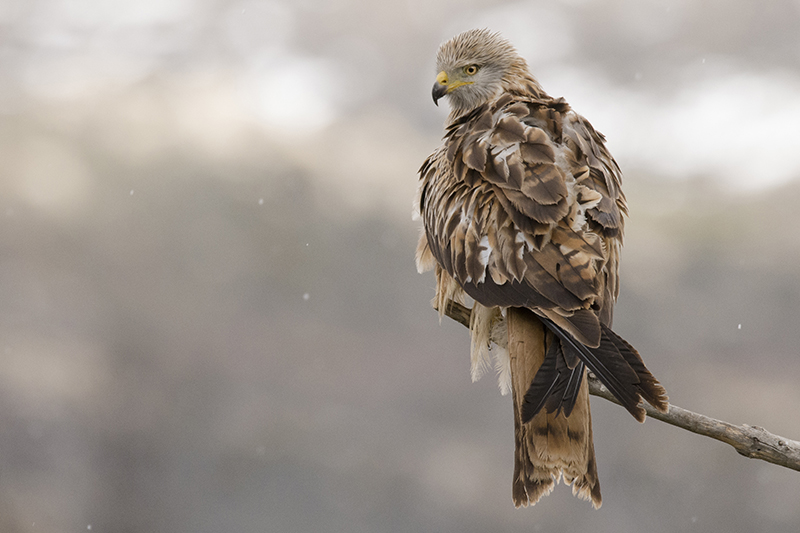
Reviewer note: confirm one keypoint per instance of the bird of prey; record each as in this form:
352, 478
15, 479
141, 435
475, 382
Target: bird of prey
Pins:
522, 211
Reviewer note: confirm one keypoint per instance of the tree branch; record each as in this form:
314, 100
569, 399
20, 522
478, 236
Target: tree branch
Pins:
751, 441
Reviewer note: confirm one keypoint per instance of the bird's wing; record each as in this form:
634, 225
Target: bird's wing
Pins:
523, 207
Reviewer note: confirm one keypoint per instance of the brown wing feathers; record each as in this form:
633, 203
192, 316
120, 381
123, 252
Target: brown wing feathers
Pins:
555, 385
617, 365
514, 230
648, 386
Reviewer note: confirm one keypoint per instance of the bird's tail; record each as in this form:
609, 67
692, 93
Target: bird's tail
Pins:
557, 441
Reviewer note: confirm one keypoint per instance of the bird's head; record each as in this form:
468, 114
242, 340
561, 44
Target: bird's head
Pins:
473, 67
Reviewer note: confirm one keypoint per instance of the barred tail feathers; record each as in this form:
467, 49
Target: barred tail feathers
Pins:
550, 446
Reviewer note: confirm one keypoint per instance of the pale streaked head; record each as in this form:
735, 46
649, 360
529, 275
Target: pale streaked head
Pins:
473, 67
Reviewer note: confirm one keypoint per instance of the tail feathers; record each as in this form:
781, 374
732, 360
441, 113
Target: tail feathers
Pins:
549, 446
552, 447
616, 364
530, 483
587, 487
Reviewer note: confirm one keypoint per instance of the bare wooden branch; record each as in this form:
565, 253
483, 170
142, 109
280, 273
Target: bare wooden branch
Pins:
751, 441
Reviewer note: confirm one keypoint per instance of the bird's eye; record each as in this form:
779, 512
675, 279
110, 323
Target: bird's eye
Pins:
471, 70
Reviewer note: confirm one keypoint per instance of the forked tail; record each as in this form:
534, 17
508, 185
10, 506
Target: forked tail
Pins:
550, 443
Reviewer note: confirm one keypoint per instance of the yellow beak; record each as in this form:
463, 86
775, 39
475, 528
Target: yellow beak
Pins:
444, 86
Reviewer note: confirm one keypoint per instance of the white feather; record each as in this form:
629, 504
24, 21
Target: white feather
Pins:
480, 326
483, 257
424, 258
502, 362
446, 289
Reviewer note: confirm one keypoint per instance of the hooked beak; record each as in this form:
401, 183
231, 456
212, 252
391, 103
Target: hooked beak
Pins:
439, 90
444, 86
440, 87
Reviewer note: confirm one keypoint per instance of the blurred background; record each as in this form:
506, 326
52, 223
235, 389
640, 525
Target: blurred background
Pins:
210, 318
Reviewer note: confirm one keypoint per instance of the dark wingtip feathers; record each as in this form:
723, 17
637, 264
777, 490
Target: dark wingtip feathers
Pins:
649, 388
616, 364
